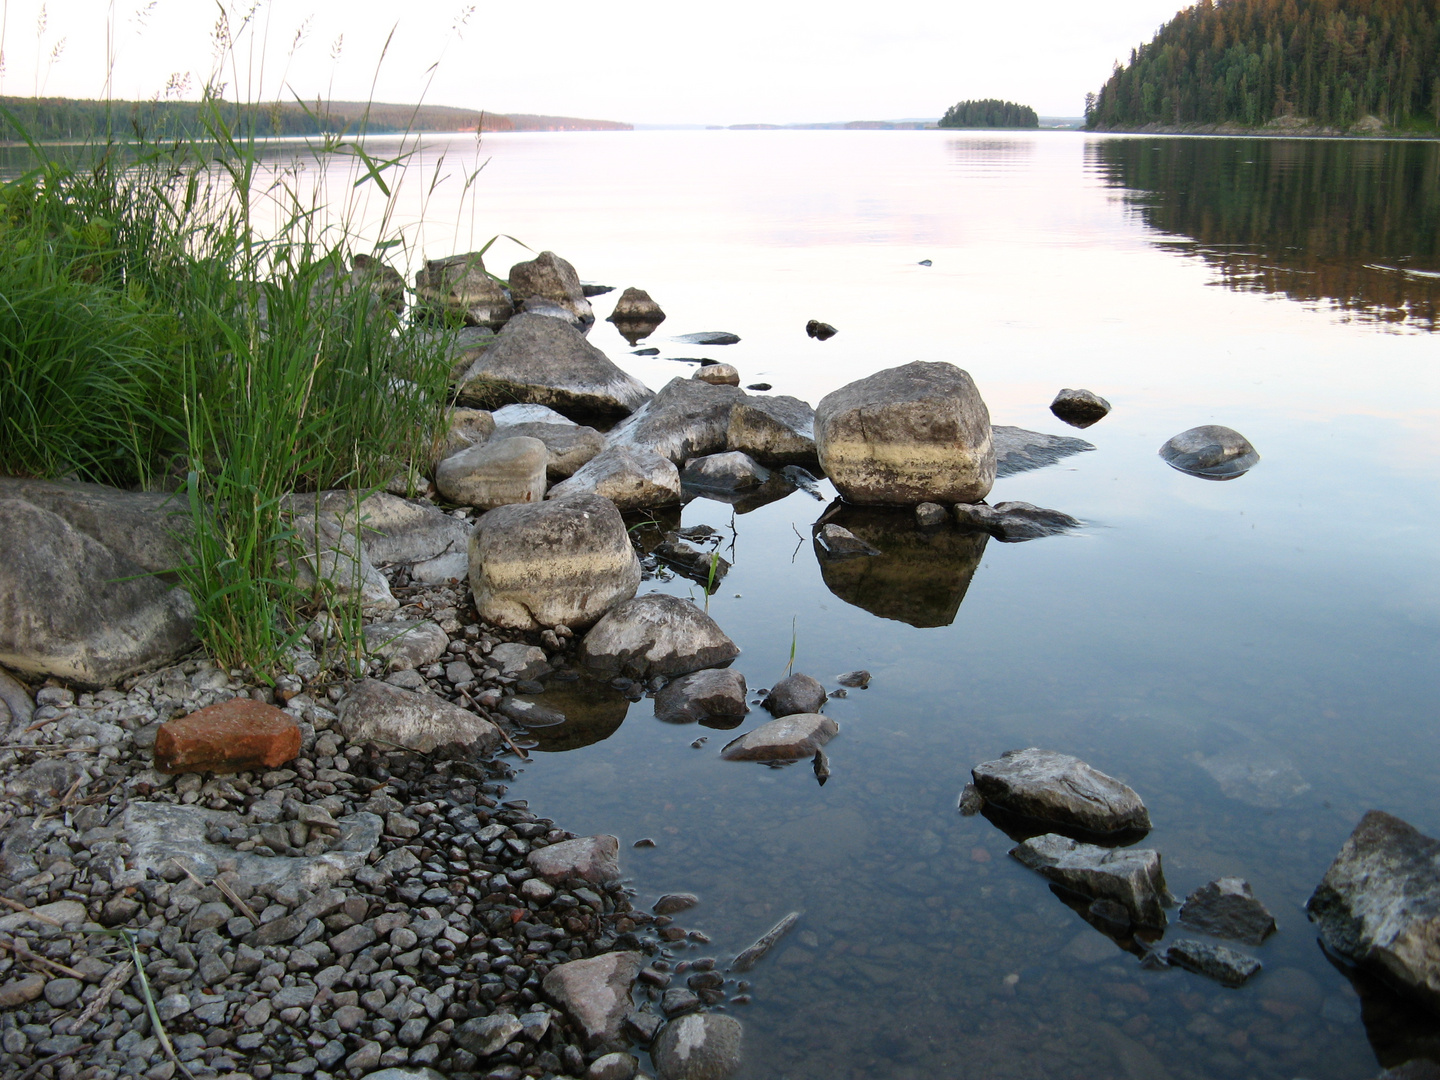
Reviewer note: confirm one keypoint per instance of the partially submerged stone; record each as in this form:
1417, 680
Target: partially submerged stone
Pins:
656, 634
565, 561
907, 435
787, 738
1211, 452
929, 515
1012, 521
632, 478
710, 337
1379, 904
777, 430
674, 903
376, 712
730, 471
636, 315
595, 992
699, 1046
715, 697
232, 736
795, 693
820, 331
1060, 789
595, 859
717, 374
1224, 965
495, 473
1079, 408
1131, 877
1227, 908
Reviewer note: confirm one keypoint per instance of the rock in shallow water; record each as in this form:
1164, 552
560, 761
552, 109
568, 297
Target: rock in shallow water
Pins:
1060, 789
656, 634
1130, 876
1227, 908
701, 1046
716, 696
1012, 521
795, 693
595, 992
1018, 450
730, 471
1216, 962
1211, 452
786, 739
1079, 408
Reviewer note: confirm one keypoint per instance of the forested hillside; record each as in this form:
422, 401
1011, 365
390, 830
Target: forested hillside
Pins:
1331, 62
989, 113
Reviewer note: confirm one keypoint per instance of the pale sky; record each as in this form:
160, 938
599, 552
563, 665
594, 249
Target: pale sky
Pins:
643, 61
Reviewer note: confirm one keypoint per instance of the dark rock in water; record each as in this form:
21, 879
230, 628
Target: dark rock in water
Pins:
821, 331
858, 679
1130, 876
821, 765
593, 712
646, 352
928, 515
802, 479
1227, 908
702, 695
920, 576
795, 693
762, 386
636, 316
1379, 904
730, 471
1108, 916
673, 903
546, 361
531, 714
787, 739
703, 567
1079, 408
1211, 452
589, 288
1217, 962
1014, 521
656, 634
776, 430
700, 1046
1018, 450
686, 419
907, 435
924, 262
840, 543
710, 337
971, 801
547, 277
1061, 790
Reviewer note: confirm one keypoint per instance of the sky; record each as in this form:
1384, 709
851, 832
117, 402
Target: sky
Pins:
642, 61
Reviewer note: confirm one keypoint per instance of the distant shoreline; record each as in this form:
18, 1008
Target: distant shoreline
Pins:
1281, 128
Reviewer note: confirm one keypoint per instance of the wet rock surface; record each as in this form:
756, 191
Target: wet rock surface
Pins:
1063, 790
699, 1047
1131, 877
1211, 451
730, 471
1227, 908
1218, 962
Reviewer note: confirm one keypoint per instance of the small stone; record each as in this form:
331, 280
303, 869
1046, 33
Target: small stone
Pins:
21, 991
616, 1066
1227, 908
971, 801
677, 1000
1224, 965
855, 679
1079, 408
700, 1046
671, 903
61, 992
171, 1006
238, 735
487, 1035
795, 693
785, 739
929, 514
820, 331
537, 890
365, 1058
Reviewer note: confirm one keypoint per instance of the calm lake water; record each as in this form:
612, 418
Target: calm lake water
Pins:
1256, 658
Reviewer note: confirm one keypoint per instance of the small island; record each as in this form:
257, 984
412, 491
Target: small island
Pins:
989, 113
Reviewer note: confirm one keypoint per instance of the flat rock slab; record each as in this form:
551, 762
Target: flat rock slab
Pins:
716, 694
232, 736
1018, 450
795, 693
591, 858
701, 1046
1379, 904
1217, 962
1012, 521
1131, 877
1058, 788
710, 337
595, 992
1256, 776
656, 634
785, 739
1227, 908
386, 715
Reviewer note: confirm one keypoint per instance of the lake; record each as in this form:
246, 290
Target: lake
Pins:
1256, 658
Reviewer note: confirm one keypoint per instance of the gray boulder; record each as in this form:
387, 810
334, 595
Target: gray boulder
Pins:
1217, 962
1079, 408
730, 471
376, 712
656, 634
776, 430
568, 445
929, 515
497, 473
565, 561
1012, 521
465, 428
516, 660
715, 697
595, 992
395, 531
686, 419
73, 608
546, 361
1211, 452
700, 1046
633, 478
795, 693
1227, 908
907, 435
786, 739
406, 645
1379, 904
551, 279
328, 557
459, 286
595, 859
1132, 877
149, 529
1018, 450
1060, 789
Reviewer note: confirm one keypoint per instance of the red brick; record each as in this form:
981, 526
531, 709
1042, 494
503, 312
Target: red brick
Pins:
233, 736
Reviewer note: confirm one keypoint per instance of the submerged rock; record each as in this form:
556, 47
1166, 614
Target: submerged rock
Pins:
1227, 908
788, 738
1256, 776
1211, 452
928, 515
700, 1046
656, 634
496, 473
710, 337
795, 693
764, 943
907, 435
730, 471
388, 716
551, 279
565, 561
776, 430
633, 478
1217, 962
1018, 450
1379, 904
1131, 877
1061, 790
716, 696
1011, 521
1079, 408
705, 568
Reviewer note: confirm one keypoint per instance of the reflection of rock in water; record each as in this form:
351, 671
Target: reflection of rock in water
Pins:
593, 712
649, 528
1255, 776
1399, 1028
920, 576
776, 486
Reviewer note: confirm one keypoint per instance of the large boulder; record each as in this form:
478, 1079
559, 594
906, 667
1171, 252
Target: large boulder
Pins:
551, 279
388, 716
1211, 452
73, 608
786, 739
459, 286
149, 529
565, 561
776, 430
547, 361
595, 992
1379, 904
496, 473
656, 634
907, 435
686, 419
633, 478
699, 1046
1060, 790
1132, 877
